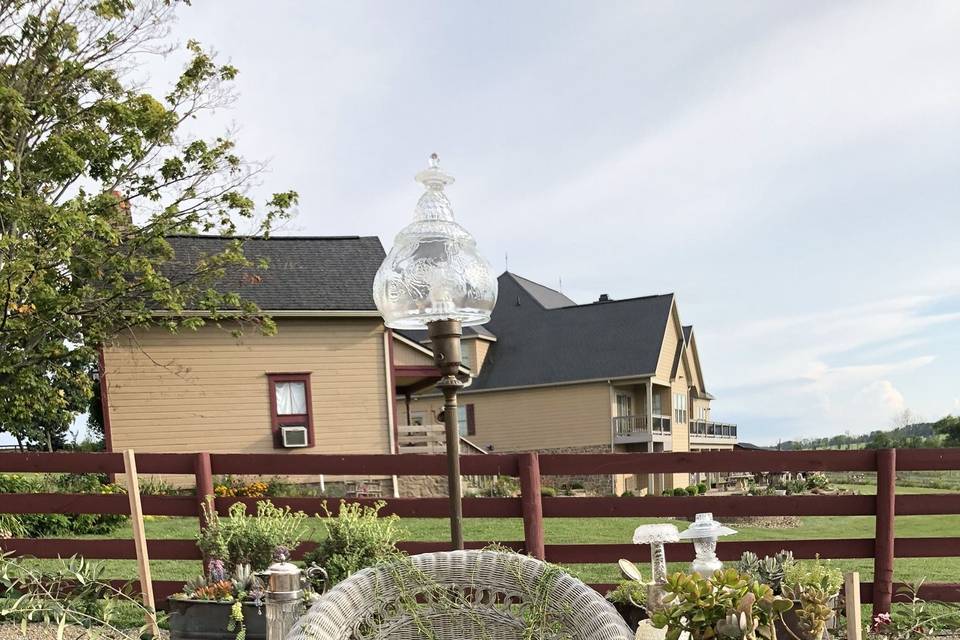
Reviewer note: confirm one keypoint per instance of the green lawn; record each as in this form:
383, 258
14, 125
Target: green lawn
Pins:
612, 530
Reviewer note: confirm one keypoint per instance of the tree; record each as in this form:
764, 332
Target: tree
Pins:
82, 149
949, 427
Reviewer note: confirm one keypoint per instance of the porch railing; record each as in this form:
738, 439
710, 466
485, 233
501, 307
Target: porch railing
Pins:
707, 429
626, 426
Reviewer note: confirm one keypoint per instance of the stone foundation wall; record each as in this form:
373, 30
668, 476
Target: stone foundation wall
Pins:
594, 485
422, 486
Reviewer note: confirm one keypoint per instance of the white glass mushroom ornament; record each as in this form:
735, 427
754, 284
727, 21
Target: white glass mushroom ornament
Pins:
704, 533
656, 535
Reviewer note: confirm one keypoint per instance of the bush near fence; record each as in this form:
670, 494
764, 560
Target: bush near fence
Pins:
531, 505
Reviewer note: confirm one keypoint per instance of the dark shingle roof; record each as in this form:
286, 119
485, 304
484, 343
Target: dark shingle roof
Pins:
545, 296
537, 344
687, 332
304, 273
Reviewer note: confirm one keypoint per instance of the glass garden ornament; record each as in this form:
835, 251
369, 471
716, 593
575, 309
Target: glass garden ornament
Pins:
704, 533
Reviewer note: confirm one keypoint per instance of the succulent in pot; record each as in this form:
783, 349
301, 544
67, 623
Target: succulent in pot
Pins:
814, 587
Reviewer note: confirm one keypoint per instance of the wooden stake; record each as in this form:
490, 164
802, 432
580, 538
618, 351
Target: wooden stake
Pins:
851, 590
140, 540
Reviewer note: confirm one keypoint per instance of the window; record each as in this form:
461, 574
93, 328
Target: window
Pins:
624, 405
418, 418
465, 420
657, 405
290, 405
680, 407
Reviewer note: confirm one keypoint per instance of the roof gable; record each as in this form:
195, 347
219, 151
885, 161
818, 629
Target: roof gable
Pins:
303, 273
544, 296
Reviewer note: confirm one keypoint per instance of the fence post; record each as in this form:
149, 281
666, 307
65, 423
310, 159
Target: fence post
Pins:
531, 504
204, 480
851, 596
140, 540
883, 546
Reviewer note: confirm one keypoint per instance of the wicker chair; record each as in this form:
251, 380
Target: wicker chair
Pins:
493, 592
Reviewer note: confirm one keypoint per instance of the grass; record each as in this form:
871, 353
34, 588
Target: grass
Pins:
610, 530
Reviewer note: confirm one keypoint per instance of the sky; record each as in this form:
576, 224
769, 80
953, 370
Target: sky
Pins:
790, 170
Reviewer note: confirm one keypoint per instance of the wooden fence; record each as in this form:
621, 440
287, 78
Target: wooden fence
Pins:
530, 506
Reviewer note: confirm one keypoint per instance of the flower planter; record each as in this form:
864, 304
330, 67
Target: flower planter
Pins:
204, 620
788, 626
631, 614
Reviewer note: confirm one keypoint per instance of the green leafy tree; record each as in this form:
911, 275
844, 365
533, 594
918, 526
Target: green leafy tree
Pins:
949, 428
94, 173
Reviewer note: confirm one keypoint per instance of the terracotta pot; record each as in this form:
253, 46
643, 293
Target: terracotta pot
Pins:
200, 620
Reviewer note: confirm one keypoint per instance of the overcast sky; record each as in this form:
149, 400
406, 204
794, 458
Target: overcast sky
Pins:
790, 170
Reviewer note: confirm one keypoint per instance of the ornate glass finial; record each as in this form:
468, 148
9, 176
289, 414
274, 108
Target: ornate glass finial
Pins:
434, 271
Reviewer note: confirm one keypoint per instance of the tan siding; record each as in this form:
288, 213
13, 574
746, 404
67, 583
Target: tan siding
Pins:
668, 351
207, 391
404, 354
537, 418
482, 346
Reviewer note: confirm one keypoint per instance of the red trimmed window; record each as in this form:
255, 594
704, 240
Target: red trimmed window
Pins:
290, 405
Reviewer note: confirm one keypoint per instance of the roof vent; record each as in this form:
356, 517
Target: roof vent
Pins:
604, 298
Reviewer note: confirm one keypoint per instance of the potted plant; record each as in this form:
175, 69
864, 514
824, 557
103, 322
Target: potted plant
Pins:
727, 605
630, 600
814, 588
226, 602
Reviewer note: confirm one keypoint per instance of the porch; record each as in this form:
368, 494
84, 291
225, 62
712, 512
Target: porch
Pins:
641, 414
707, 432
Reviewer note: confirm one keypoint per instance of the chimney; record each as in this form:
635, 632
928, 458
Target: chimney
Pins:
604, 298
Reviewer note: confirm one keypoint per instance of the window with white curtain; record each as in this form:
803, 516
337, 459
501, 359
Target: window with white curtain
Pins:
291, 398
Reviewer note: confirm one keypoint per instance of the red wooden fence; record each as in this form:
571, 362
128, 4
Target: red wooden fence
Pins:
529, 467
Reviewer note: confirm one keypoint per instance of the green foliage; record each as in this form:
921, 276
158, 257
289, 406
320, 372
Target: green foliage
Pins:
357, 537
502, 487
94, 174
727, 605
814, 585
692, 490
250, 539
702, 488
679, 491
71, 591
44, 525
817, 480
548, 492
629, 592
949, 428
916, 620
627, 494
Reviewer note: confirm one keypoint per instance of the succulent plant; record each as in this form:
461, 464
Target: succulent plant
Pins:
242, 577
222, 590
768, 570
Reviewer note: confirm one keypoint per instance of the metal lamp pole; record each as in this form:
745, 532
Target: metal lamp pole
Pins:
445, 339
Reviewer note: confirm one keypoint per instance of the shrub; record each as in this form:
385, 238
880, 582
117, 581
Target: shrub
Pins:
576, 486
502, 487
357, 537
679, 491
548, 492
628, 592
627, 494
702, 488
250, 539
44, 525
666, 492
691, 490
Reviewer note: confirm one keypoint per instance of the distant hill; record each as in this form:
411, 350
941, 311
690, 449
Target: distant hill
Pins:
920, 434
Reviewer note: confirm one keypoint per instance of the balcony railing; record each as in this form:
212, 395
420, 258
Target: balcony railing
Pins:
627, 426
704, 429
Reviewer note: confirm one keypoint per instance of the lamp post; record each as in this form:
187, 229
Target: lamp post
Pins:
435, 279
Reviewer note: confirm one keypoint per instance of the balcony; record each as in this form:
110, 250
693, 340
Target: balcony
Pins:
705, 431
635, 428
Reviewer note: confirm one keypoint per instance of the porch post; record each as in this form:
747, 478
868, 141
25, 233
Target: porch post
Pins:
651, 484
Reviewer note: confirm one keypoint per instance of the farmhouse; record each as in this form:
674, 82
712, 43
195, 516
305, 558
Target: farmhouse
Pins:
554, 376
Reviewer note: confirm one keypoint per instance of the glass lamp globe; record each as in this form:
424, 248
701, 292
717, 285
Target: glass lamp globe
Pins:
434, 271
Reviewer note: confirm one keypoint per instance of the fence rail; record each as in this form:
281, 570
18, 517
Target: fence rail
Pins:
530, 506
